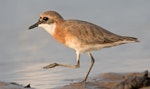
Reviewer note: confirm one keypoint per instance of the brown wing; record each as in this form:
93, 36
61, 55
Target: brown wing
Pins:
89, 33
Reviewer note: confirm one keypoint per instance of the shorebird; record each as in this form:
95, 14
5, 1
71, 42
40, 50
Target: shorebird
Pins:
82, 36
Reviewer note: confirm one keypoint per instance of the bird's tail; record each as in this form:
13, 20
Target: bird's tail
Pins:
132, 39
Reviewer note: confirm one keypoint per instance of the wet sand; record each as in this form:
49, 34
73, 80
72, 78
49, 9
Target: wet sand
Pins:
102, 81
12, 85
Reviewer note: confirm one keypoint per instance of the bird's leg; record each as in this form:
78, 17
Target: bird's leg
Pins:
92, 62
65, 65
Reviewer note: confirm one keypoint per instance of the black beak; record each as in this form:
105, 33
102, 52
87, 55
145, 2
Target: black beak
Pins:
34, 25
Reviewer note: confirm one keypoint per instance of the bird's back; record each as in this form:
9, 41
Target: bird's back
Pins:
89, 33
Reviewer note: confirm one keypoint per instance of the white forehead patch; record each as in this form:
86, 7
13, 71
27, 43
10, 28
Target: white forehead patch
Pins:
50, 28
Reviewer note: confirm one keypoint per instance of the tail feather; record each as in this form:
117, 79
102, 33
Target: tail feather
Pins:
131, 39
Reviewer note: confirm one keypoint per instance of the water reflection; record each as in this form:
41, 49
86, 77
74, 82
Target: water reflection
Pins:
31, 73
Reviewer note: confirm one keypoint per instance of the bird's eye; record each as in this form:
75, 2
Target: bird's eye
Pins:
45, 18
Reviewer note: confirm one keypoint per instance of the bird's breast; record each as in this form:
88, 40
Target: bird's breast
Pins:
59, 34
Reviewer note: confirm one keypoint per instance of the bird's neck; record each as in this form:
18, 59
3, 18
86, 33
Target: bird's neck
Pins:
50, 28
59, 34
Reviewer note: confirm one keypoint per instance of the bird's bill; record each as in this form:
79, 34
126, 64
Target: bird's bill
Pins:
34, 25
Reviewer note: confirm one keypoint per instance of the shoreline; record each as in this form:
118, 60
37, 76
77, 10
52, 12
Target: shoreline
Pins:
102, 81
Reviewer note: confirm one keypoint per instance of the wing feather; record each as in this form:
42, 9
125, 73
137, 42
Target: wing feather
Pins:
89, 33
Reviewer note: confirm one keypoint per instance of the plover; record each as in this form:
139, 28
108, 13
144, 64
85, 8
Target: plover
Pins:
82, 36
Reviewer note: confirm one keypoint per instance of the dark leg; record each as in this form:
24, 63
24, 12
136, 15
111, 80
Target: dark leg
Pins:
92, 62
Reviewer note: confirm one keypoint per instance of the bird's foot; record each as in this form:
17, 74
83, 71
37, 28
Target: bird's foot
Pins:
50, 66
83, 81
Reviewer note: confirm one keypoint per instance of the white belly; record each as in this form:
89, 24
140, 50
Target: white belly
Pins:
82, 48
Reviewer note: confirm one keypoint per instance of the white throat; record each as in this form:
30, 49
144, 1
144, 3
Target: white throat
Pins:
50, 28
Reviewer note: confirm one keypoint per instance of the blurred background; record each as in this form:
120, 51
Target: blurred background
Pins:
24, 52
